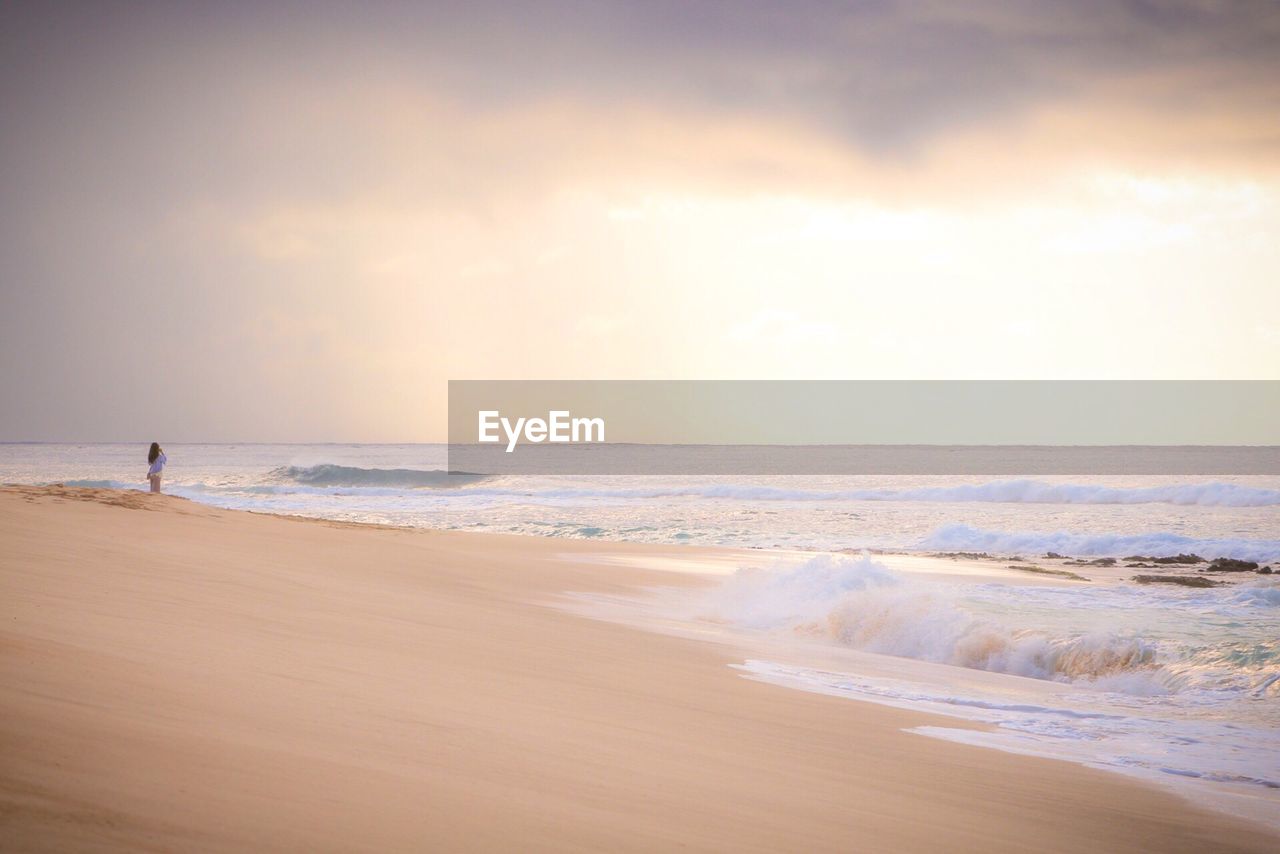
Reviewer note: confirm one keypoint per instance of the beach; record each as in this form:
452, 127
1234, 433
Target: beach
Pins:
632, 426
184, 677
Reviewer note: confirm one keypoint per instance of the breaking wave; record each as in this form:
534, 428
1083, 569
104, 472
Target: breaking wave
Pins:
1213, 494
1039, 492
1264, 594
860, 603
863, 604
329, 474
1156, 544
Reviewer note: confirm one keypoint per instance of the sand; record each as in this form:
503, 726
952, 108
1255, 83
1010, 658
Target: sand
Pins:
181, 678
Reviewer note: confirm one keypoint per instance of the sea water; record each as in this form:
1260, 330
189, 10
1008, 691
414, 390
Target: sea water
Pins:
1176, 683
1234, 516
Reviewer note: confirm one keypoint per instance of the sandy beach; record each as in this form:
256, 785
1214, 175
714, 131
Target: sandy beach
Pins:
183, 678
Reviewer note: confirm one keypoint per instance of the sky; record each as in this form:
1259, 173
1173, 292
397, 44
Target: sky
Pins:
297, 221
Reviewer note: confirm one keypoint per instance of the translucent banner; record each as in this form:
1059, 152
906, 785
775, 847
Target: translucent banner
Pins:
641, 427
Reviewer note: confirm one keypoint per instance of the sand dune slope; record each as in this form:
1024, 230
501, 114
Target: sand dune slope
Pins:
175, 677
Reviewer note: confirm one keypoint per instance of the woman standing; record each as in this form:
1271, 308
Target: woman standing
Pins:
157, 459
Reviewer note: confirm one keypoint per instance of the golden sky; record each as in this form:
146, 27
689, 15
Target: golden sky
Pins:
296, 222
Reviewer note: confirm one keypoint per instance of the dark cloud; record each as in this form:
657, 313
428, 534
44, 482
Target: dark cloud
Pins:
885, 75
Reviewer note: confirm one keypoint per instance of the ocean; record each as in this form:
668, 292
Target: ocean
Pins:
1174, 683
1222, 516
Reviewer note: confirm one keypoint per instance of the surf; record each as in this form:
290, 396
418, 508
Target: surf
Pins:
331, 474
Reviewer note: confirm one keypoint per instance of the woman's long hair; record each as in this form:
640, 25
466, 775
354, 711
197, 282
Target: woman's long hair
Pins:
153, 453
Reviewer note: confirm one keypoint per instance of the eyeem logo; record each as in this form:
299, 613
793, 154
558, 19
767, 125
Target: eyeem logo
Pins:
558, 426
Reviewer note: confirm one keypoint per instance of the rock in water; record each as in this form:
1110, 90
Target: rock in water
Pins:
1226, 564
1184, 580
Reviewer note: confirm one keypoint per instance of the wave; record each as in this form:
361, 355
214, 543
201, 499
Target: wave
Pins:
1156, 544
329, 474
1038, 492
1212, 494
860, 603
1265, 594
332, 476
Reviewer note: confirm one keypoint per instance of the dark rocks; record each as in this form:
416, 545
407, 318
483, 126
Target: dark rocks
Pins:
1226, 564
1184, 580
1180, 559
1176, 559
1264, 570
1054, 556
1101, 561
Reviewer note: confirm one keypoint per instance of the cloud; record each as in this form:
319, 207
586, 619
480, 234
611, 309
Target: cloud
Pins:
887, 78
296, 216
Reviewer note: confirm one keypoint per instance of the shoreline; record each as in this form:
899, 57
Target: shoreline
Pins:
1071, 567
991, 706
213, 679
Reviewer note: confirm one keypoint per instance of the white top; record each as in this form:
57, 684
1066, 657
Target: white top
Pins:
158, 465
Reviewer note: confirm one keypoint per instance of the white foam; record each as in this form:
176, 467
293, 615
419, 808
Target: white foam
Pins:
331, 474
1208, 647
1211, 494
1156, 543
861, 604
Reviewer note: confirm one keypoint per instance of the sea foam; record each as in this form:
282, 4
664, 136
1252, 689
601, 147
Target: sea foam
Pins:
862, 604
1211, 494
329, 475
